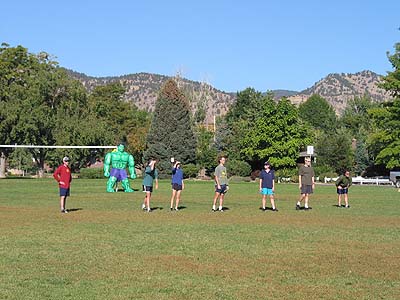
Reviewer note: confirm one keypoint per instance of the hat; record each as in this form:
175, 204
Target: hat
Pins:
66, 158
267, 163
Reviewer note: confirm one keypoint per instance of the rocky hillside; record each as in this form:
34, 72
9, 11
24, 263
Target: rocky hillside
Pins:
337, 89
142, 89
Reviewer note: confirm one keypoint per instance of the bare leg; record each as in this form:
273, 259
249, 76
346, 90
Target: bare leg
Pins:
221, 200
215, 198
346, 199
62, 202
263, 201
340, 200
271, 198
178, 198
306, 200
172, 198
147, 201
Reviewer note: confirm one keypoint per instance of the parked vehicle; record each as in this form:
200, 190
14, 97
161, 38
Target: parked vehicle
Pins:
395, 178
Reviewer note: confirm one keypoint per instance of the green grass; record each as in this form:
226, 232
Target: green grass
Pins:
107, 248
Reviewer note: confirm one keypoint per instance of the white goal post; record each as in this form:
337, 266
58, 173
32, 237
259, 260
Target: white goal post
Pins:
58, 147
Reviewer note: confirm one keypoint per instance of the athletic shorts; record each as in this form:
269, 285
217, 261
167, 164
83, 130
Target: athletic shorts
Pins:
343, 191
266, 191
176, 187
306, 189
147, 188
64, 191
222, 190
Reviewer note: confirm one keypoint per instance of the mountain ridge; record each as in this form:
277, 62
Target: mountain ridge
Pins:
142, 89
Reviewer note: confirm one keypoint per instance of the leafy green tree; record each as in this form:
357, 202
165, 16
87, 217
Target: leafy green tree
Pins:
41, 105
277, 135
355, 117
171, 133
260, 129
384, 142
391, 82
124, 120
206, 152
334, 150
317, 112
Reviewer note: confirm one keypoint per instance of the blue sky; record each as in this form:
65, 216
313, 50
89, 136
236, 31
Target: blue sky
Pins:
230, 44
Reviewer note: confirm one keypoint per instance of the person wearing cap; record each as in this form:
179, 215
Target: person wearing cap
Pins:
177, 185
63, 176
306, 183
267, 185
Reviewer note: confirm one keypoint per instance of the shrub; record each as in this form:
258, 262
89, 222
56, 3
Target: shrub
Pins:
321, 169
190, 170
286, 173
327, 174
238, 168
91, 173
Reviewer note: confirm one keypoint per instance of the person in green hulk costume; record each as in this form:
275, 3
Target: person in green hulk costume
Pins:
118, 160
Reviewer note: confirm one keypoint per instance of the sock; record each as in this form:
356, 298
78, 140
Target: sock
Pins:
306, 206
213, 207
273, 207
298, 203
220, 207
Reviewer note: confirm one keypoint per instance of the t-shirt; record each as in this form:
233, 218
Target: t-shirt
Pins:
149, 176
177, 176
306, 174
344, 181
63, 174
220, 173
267, 179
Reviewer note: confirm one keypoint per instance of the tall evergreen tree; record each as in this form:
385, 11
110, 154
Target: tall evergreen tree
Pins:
171, 133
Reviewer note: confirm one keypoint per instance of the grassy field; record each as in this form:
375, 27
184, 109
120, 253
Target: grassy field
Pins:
108, 248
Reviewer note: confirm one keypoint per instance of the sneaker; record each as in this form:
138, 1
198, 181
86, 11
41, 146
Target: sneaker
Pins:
274, 209
171, 209
176, 209
348, 206
148, 210
298, 207
220, 210
64, 211
264, 209
143, 206
213, 210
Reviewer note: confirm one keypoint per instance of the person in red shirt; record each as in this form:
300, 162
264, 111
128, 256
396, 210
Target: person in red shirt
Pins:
64, 178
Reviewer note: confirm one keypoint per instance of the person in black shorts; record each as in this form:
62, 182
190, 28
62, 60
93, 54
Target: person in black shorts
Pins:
342, 188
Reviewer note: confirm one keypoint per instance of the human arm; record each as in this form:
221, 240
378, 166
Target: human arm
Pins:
155, 176
57, 174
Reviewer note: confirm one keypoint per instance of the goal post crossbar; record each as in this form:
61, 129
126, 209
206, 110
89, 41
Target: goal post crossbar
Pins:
58, 147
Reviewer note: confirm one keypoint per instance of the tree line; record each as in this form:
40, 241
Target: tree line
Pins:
41, 105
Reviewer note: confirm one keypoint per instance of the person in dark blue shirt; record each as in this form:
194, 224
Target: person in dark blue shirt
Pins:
267, 185
177, 185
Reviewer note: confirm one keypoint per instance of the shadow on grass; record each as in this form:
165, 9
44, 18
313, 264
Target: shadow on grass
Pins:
268, 208
156, 207
74, 209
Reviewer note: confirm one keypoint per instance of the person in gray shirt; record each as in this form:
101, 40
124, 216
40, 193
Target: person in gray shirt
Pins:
221, 184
